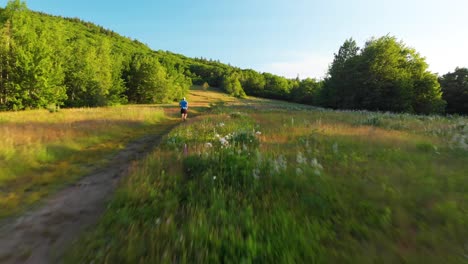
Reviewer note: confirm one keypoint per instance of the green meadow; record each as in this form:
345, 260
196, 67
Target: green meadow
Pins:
40, 151
263, 181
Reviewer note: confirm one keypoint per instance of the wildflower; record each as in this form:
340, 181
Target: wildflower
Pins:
223, 141
217, 135
314, 163
208, 145
214, 178
299, 171
258, 133
335, 148
300, 158
256, 173
221, 124
279, 164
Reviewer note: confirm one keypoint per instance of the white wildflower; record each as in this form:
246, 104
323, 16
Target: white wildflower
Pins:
223, 141
221, 124
214, 178
335, 148
217, 135
258, 133
258, 156
300, 158
208, 145
256, 173
314, 163
299, 171
280, 163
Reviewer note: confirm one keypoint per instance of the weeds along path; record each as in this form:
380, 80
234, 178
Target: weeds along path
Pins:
40, 235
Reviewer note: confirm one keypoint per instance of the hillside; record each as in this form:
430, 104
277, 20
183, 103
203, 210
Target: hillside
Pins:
51, 61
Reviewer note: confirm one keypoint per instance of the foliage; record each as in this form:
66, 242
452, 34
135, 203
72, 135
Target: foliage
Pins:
292, 184
47, 60
232, 85
43, 150
455, 91
385, 75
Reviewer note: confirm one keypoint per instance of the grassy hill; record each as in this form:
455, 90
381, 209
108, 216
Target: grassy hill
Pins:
265, 181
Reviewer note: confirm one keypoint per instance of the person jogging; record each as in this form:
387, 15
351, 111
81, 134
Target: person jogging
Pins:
183, 108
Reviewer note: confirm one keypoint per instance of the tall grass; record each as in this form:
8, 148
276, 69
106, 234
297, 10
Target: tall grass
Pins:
292, 184
40, 150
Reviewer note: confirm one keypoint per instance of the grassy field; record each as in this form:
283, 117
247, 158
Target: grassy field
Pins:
41, 151
259, 181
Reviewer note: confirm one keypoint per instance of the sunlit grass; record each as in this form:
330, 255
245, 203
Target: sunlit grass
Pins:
41, 150
270, 182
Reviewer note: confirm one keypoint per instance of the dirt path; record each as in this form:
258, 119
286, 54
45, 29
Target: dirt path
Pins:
41, 235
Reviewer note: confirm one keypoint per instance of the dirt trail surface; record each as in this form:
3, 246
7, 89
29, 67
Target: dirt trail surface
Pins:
41, 235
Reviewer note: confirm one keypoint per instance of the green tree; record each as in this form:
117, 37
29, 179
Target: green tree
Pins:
232, 85
146, 80
386, 75
342, 75
455, 91
253, 82
276, 87
37, 76
7, 94
306, 91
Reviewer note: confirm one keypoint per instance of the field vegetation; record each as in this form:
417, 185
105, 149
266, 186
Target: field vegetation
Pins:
41, 150
261, 181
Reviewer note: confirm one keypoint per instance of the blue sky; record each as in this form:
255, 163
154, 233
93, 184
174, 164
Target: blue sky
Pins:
279, 36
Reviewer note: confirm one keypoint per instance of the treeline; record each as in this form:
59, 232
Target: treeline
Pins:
47, 60
384, 75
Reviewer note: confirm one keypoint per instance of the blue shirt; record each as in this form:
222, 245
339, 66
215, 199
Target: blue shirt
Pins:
183, 104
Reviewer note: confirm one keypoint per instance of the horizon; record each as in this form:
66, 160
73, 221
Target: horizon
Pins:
265, 37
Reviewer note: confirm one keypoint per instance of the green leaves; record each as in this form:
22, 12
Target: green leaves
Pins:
455, 90
232, 85
385, 75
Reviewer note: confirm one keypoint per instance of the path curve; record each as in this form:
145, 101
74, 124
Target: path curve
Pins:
41, 235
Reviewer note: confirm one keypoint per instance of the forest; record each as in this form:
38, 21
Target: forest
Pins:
50, 62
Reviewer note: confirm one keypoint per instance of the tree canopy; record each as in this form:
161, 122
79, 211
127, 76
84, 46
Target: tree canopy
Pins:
48, 60
385, 75
455, 90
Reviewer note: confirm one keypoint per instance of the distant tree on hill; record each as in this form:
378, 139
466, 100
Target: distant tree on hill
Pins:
276, 87
146, 80
342, 76
385, 75
232, 85
455, 90
253, 82
306, 91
